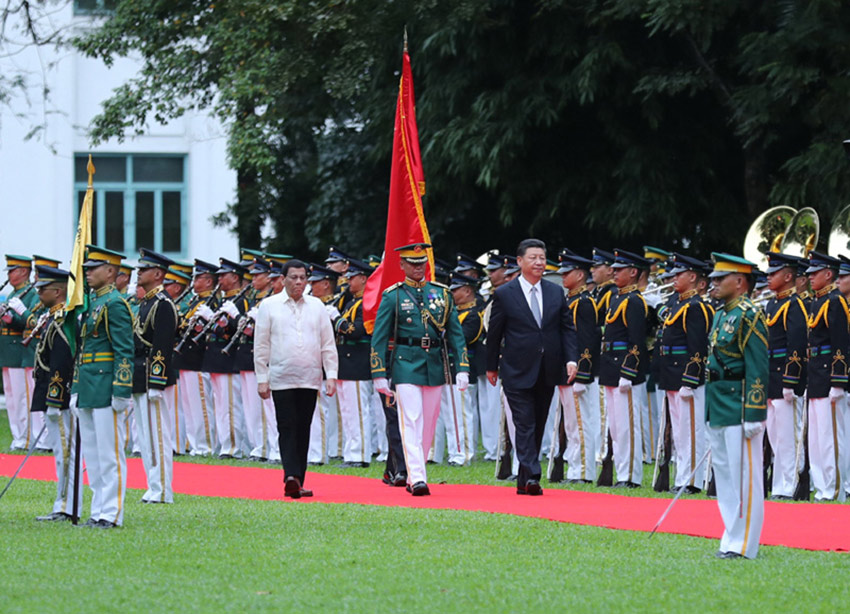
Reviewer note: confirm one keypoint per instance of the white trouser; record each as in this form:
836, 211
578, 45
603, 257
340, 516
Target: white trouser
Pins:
827, 448
687, 422
599, 401
649, 426
18, 390
317, 452
554, 410
624, 423
782, 434
258, 428
355, 408
489, 410
102, 436
741, 503
379, 427
506, 420
197, 399
229, 417
179, 441
454, 427
154, 421
418, 409
61, 430
333, 425
579, 455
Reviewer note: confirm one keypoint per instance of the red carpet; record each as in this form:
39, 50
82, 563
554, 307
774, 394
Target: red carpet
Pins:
808, 526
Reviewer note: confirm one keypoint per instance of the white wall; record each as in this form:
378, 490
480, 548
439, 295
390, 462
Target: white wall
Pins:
37, 176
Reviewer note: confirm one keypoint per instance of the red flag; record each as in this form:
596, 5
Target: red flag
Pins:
405, 217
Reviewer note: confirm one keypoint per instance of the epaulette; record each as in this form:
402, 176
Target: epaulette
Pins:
163, 295
394, 286
439, 285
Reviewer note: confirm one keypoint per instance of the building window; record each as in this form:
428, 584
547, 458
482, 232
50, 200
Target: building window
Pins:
140, 201
95, 7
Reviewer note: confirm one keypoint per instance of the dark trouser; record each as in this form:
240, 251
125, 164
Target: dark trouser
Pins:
395, 454
294, 409
530, 408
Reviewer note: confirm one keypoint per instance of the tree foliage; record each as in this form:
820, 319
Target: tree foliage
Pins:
608, 122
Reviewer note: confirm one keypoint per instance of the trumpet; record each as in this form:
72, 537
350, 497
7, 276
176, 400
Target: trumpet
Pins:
663, 291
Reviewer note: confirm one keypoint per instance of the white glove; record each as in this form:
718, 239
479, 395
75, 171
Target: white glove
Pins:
333, 312
382, 385
686, 393
53, 413
204, 312
229, 307
42, 319
73, 404
624, 385
751, 429
155, 394
120, 404
252, 313
462, 381
17, 305
579, 388
788, 394
836, 394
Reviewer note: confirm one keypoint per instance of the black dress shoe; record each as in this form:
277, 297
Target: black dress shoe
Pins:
532, 487
625, 484
305, 493
780, 498
354, 465
91, 522
386, 479
104, 524
400, 479
292, 487
315, 464
54, 517
727, 555
579, 481
420, 489
225, 456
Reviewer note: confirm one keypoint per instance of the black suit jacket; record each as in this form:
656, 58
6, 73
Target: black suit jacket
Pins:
519, 348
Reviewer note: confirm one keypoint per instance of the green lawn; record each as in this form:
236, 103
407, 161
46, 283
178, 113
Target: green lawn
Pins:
210, 555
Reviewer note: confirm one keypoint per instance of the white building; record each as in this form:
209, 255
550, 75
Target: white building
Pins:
158, 190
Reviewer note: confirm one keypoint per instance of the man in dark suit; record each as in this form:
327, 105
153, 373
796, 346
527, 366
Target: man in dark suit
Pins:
532, 340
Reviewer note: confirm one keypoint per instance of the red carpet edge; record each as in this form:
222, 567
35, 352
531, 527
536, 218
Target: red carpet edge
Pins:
795, 525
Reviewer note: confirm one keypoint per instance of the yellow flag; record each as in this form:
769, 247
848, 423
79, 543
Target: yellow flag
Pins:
76, 284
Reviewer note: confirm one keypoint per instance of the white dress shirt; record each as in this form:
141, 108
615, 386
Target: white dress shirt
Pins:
293, 341
526, 290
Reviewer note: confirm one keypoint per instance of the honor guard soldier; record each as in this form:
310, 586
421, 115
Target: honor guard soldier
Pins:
736, 406
602, 277
103, 385
326, 432
421, 319
260, 419
195, 384
154, 377
455, 423
827, 379
13, 358
575, 434
177, 285
54, 370
681, 356
338, 262
623, 366
226, 383
354, 385
787, 325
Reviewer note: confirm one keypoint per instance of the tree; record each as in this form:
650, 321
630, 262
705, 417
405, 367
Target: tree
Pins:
668, 122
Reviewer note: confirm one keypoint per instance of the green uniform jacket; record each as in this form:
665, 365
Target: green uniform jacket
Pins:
12, 354
409, 312
105, 357
738, 366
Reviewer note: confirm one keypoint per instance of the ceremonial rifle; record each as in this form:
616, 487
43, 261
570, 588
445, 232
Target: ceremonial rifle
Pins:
26, 458
661, 479
804, 487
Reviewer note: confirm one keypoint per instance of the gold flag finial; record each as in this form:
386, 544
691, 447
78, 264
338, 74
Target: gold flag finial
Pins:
90, 169
405, 39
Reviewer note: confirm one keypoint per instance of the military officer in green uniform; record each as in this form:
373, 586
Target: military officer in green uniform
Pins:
421, 319
736, 406
103, 385
14, 358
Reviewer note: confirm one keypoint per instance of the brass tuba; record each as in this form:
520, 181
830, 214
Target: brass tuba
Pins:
839, 234
767, 233
802, 234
